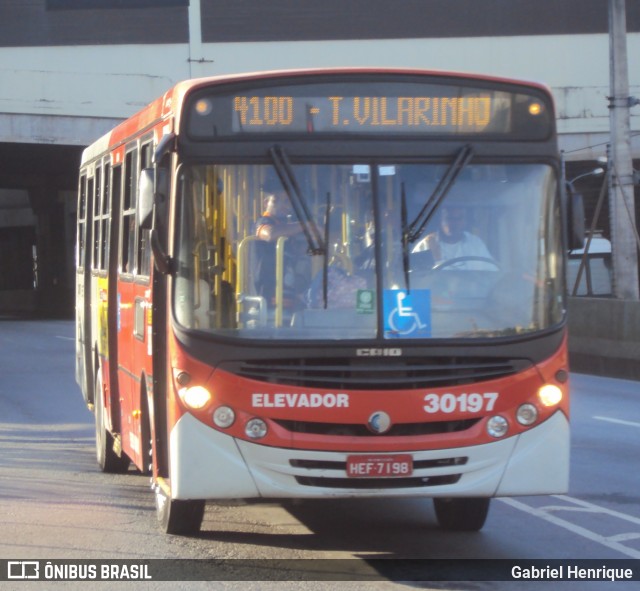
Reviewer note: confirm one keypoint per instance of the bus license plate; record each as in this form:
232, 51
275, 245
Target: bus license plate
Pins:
379, 466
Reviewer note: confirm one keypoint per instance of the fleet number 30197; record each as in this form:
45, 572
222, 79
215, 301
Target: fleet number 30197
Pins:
449, 403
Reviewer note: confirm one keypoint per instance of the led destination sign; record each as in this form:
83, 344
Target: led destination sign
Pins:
360, 113
404, 108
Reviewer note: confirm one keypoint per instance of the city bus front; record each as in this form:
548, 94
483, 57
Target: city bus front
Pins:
379, 318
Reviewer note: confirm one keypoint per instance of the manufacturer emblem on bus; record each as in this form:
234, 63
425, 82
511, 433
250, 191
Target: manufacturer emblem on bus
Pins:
379, 422
379, 352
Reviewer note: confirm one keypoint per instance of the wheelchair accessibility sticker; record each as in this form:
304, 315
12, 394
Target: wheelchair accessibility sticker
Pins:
407, 313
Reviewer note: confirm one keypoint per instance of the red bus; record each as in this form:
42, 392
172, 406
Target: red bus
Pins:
329, 283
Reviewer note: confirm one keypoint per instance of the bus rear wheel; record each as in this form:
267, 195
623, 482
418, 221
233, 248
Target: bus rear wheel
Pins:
461, 514
108, 460
179, 517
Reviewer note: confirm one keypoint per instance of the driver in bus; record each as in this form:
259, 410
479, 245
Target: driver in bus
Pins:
451, 242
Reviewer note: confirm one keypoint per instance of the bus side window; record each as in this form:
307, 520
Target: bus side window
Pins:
105, 222
82, 221
95, 191
91, 214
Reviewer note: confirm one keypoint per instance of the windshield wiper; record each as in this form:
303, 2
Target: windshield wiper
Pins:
325, 263
290, 183
414, 230
405, 236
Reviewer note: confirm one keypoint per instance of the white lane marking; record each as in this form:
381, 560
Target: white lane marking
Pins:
65, 338
596, 509
612, 542
624, 537
618, 421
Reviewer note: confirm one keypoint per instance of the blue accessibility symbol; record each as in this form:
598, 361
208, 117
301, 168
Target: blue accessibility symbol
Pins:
407, 314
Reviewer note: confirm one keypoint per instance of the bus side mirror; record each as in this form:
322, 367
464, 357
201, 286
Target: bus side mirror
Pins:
153, 188
575, 217
146, 199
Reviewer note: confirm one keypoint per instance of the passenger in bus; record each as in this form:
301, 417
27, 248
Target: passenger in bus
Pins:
278, 220
451, 242
344, 281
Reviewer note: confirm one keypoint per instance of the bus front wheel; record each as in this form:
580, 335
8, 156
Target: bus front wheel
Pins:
461, 514
179, 517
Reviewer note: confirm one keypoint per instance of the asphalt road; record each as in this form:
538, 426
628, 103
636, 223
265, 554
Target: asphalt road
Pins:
55, 503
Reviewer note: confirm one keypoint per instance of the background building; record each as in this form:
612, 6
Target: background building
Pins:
71, 69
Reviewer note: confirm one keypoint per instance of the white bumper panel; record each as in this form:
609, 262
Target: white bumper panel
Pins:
539, 463
275, 476
206, 464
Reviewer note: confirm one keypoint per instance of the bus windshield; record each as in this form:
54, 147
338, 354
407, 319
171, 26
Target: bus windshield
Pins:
364, 250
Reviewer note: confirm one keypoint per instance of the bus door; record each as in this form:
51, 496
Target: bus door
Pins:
134, 320
84, 375
125, 297
113, 176
140, 352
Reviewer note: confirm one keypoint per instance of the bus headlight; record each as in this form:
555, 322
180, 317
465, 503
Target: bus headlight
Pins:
196, 397
549, 395
527, 414
497, 426
224, 417
256, 428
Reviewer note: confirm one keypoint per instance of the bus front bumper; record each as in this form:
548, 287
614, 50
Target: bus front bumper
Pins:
207, 464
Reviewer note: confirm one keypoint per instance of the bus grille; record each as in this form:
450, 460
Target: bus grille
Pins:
387, 483
376, 373
384, 483
417, 464
360, 430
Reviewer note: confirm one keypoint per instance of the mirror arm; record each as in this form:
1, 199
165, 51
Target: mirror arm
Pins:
163, 262
165, 145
